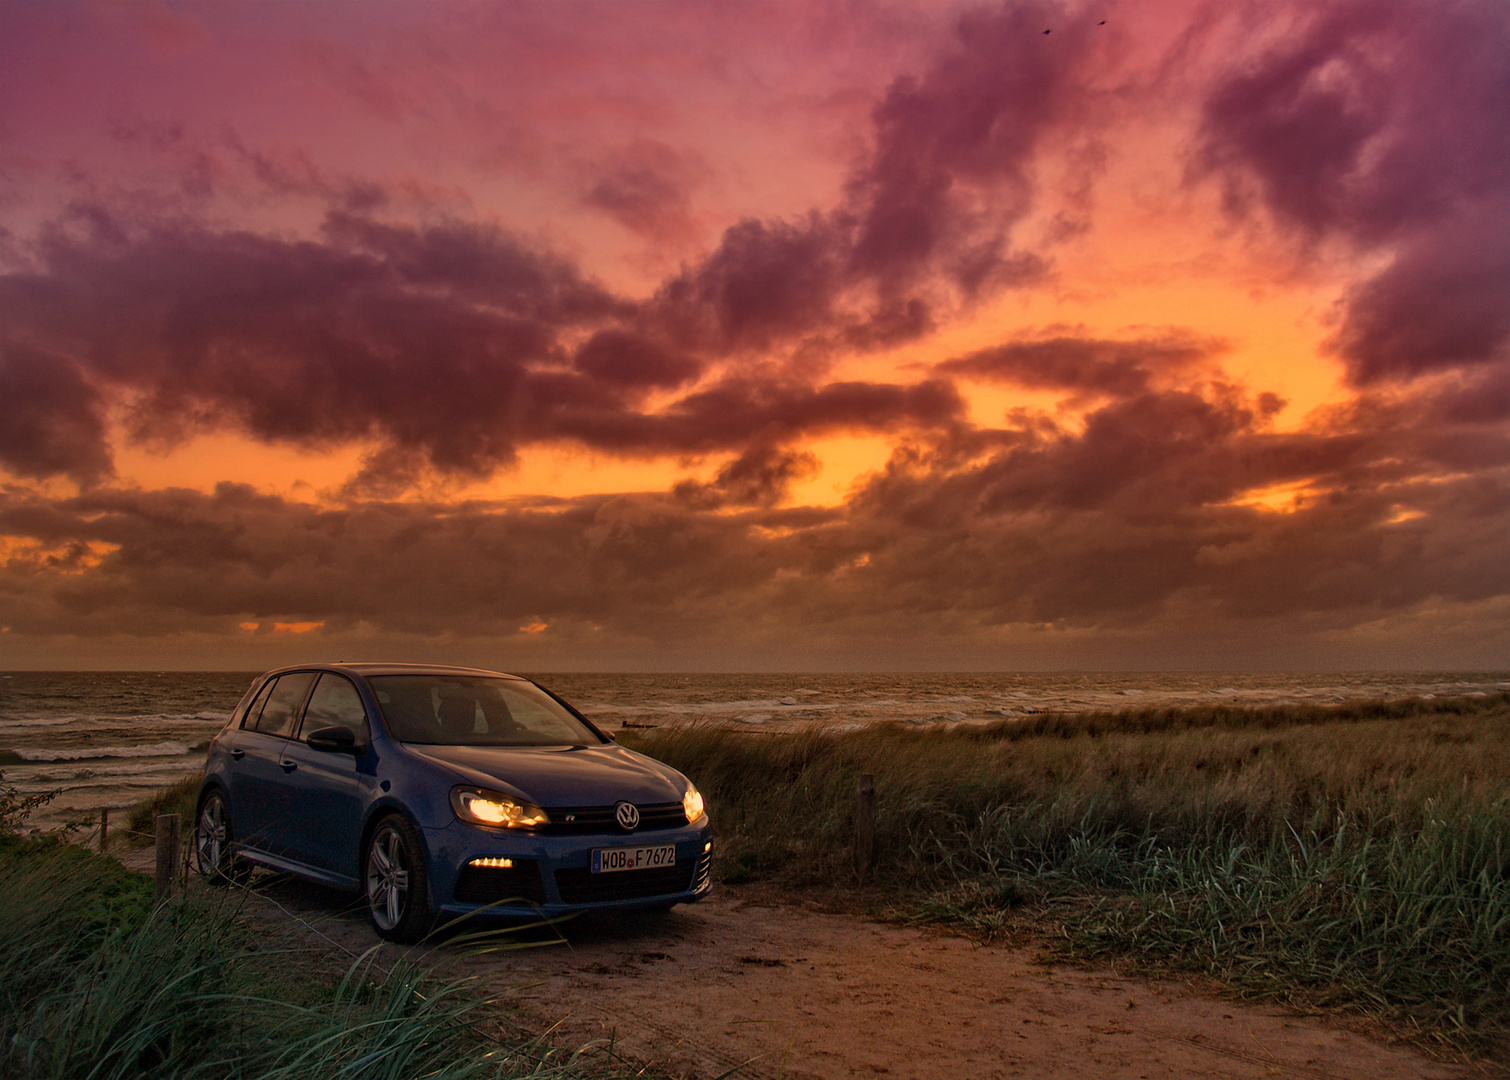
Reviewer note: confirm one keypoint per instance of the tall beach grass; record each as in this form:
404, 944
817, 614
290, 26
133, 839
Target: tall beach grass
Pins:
1353, 856
97, 983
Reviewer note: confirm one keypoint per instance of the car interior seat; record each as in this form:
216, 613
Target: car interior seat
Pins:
458, 714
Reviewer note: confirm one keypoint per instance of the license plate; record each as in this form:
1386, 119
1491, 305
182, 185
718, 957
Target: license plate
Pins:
609, 860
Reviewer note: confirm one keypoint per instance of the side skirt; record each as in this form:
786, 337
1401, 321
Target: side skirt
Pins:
298, 869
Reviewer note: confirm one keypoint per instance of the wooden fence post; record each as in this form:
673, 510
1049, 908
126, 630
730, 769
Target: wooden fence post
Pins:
865, 826
168, 855
104, 829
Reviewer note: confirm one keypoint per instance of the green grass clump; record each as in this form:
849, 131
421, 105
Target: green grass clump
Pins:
96, 981
141, 818
1413, 923
1351, 855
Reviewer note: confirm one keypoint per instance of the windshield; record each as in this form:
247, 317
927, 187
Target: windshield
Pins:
460, 710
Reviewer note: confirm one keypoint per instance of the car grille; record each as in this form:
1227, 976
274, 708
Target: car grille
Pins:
704, 871
598, 819
582, 886
490, 884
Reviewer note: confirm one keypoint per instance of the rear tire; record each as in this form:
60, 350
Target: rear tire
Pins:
214, 847
398, 890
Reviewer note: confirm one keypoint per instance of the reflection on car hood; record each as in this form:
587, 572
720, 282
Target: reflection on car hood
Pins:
562, 775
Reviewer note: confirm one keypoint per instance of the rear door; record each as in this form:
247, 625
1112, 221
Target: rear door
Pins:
325, 786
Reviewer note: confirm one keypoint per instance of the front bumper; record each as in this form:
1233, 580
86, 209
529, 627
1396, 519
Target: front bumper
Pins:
551, 875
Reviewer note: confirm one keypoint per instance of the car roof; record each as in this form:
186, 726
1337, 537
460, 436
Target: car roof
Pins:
367, 668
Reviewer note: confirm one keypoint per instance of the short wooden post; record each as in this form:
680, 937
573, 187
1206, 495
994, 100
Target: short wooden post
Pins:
865, 826
167, 855
104, 829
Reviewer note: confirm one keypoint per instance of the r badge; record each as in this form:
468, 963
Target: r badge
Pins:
627, 815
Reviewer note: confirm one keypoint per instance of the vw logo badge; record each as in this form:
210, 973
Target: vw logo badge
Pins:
627, 815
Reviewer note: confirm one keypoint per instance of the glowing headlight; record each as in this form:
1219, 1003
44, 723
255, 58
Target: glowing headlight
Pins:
692, 804
482, 807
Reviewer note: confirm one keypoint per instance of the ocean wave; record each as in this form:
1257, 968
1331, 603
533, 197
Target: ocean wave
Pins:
140, 782
694, 708
44, 721
88, 721
86, 753
53, 773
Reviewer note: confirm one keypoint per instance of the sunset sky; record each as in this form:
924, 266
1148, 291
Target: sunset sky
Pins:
745, 336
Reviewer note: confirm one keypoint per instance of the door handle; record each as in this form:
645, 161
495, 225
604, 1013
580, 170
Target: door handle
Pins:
237, 755
289, 766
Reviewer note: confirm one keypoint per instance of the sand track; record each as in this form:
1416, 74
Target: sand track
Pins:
786, 991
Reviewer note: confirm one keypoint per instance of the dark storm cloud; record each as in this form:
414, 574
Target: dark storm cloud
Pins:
952, 166
646, 187
1443, 303
765, 282
1112, 526
449, 344
615, 356
1139, 510
757, 407
445, 343
761, 476
1094, 366
1146, 506
419, 338
737, 409
481, 263
927, 214
186, 559
53, 417
1383, 124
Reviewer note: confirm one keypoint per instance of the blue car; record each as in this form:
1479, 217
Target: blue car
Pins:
439, 791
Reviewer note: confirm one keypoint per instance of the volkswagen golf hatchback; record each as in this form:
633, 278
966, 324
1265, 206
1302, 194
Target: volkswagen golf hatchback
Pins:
439, 791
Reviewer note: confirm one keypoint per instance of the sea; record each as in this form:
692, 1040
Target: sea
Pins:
109, 739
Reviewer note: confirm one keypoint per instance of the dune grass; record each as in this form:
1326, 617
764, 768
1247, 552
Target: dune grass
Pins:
1352, 856
141, 817
96, 982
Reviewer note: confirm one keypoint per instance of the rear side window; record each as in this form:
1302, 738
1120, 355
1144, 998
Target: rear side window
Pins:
335, 703
282, 709
249, 721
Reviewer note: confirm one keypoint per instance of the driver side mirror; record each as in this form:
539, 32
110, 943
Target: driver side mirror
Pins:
332, 738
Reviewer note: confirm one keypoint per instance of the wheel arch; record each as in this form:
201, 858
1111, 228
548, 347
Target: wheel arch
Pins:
211, 784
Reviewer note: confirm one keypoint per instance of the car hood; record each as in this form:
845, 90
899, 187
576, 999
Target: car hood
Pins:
562, 775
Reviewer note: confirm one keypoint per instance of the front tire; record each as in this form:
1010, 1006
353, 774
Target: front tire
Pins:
214, 849
398, 894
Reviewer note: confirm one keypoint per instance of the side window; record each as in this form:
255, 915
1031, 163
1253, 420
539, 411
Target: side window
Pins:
336, 703
282, 709
254, 710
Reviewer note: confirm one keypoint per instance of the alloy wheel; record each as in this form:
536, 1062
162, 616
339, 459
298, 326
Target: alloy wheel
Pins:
388, 863
210, 838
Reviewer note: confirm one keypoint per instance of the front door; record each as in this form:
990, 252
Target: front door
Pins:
264, 817
326, 785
